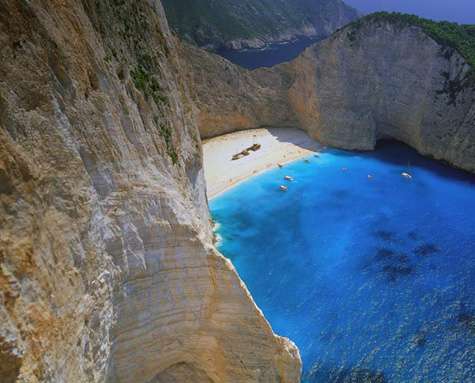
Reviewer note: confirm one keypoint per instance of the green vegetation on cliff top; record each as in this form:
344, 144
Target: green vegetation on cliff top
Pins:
457, 36
218, 22
128, 20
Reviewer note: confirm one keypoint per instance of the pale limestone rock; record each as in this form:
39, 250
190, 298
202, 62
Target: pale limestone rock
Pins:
106, 267
230, 98
348, 91
386, 81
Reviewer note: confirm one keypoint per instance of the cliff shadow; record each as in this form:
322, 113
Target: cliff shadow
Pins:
399, 154
296, 137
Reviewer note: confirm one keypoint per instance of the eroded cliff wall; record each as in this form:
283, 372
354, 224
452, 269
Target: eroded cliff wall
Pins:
383, 80
368, 81
107, 272
231, 98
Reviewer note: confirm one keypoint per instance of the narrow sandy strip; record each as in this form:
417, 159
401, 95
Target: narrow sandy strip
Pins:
278, 146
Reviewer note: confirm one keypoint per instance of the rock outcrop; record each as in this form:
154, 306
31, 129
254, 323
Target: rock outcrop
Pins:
381, 80
371, 80
107, 272
241, 24
230, 98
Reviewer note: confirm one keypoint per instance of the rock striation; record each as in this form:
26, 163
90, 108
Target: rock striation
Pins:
107, 271
230, 98
382, 80
374, 79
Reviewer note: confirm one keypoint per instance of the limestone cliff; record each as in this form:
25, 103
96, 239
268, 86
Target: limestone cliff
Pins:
107, 272
230, 98
371, 80
383, 80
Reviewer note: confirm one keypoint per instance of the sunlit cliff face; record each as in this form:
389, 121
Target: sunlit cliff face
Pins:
349, 91
107, 271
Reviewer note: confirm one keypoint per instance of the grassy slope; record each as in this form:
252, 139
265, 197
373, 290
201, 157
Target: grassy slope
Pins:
456, 36
207, 21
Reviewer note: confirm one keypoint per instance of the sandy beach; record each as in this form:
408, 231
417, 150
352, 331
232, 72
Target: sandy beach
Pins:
278, 146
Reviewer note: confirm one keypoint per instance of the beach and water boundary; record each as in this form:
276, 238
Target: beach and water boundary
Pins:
278, 146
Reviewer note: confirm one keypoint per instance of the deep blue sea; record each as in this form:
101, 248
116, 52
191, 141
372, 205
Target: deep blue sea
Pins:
372, 278
272, 55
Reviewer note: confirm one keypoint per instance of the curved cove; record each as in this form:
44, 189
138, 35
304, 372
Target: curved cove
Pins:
370, 273
273, 54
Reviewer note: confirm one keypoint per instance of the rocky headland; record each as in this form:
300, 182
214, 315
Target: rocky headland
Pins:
383, 77
244, 24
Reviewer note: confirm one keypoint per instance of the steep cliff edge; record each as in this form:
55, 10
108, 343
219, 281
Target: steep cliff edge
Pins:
231, 98
382, 77
386, 79
106, 268
238, 24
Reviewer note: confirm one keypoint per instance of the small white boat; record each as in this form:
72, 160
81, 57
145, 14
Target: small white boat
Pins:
288, 178
283, 188
370, 176
406, 175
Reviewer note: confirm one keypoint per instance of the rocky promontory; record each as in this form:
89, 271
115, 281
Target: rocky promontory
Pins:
383, 77
243, 24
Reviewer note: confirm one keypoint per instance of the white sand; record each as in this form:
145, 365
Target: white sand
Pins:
278, 146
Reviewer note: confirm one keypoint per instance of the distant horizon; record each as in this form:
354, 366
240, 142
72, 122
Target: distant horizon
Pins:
459, 11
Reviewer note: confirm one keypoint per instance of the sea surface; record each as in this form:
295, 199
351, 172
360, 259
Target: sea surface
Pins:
371, 274
270, 56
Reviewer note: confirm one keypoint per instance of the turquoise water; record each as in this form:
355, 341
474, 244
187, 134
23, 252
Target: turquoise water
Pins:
373, 279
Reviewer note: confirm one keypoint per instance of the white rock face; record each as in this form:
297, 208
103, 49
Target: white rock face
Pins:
358, 86
386, 81
230, 98
107, 272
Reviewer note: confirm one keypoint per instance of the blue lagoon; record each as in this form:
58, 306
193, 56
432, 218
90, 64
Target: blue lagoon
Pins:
270, 56
370, 273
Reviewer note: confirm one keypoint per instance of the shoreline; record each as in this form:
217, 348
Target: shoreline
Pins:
270, 44
279, 146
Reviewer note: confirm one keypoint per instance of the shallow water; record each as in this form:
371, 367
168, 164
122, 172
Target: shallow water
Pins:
272, 55
373, 279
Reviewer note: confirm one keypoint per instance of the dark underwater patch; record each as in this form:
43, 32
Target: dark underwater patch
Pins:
385, 235
394, 265
320, 373
467, 320
413, 235
384, 254
397, 271
426, 250
402, 258
419, 339
359, 375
